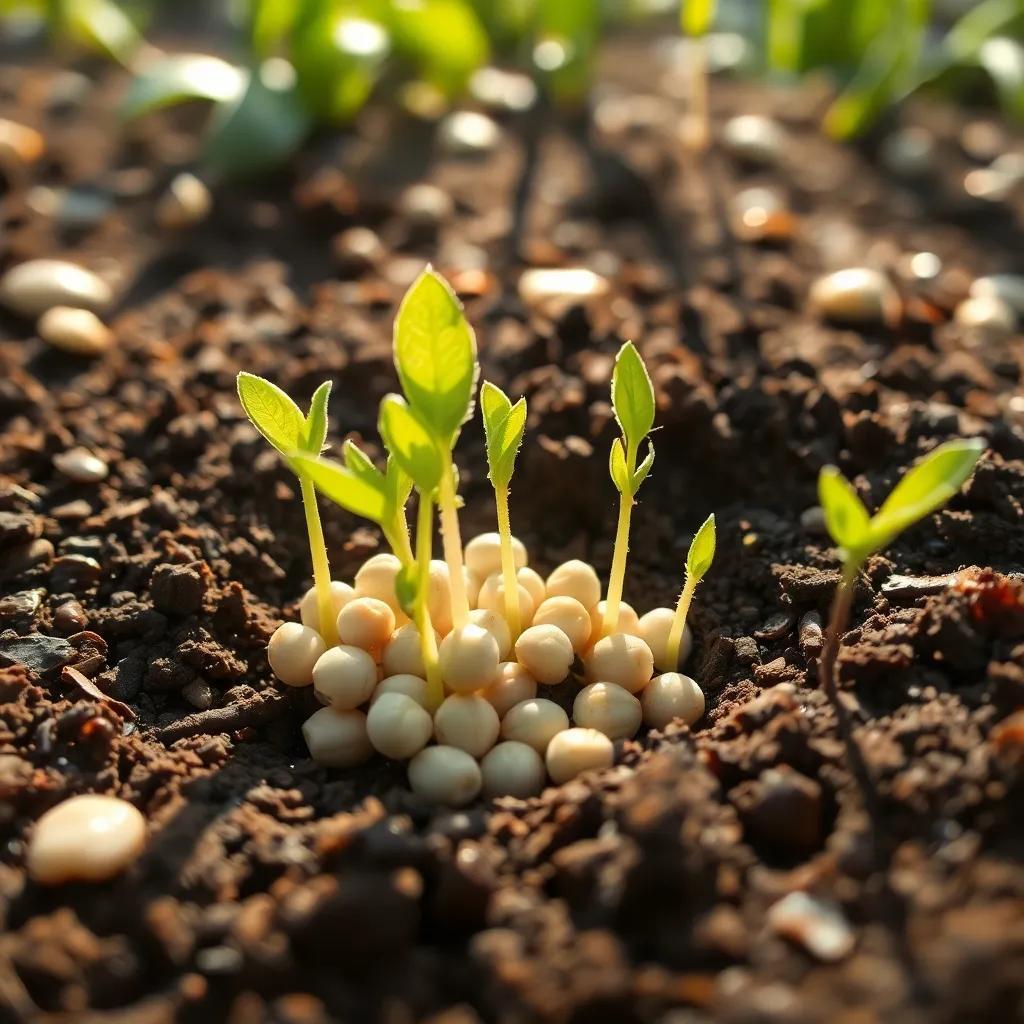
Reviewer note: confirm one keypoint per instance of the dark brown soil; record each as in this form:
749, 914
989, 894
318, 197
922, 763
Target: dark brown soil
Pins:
274, 890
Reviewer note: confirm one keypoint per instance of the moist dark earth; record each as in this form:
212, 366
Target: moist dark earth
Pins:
134, 611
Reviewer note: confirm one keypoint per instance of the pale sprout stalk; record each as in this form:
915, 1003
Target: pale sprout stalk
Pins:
617, 576
321, 567
675, 633
508, 564
428, 642
695, 132
452, 540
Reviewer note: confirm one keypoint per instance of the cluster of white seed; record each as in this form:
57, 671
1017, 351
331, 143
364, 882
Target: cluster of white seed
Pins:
492, 732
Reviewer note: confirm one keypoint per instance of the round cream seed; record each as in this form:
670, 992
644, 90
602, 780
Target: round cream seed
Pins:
575, 751
496, 625
467, 721
398, 727
344, 677
445, 775
669, 696
30, 289
533, 583
483, 554
80, 465
439, 596
408, 685
376, 578
628, 621
492, 598
856, 295
293, 651
78, 331
620, 658
609, 709
366, 622
86, 838
403, 653
986, 313
469, 659
513, 685
337, 738
534, 722
575, 579
546, 653
513, 769
568, 615
309, 611
186, 202
655, 626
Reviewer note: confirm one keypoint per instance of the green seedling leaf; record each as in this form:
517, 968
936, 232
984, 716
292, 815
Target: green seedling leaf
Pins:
316, 421
272, 413
399, 484
435, 355
361, 464
696, 16
702, 551
925, 488
643, 469
846, 517
504, 425
187, 76
632, 395
342, 486
102, 26
618, 469
410, 443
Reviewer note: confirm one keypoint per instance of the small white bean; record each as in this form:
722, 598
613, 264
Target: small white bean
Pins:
534, 722
569, 616
609, 709
575, 579
469, 659
495, 624
467, 721
492, 598
309, 613
672, 695
513, 685
366, 622
655, 626
620, 658
337, 738
293, 651
546, 653
403, 682
398, 727
483, 554
403, 653
344, 677
575, 751
376, 578
445, 775
628, 621
513, 769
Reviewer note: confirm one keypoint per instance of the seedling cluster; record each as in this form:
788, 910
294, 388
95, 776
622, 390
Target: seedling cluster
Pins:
441, 662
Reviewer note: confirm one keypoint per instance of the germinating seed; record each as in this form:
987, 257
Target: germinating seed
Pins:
469, 659
409, 685
467, 721
337, 738
445, 775
628, 621
620, 658
78, 331
496, 625
88, 838
608, 708
513, 769
483, 554
492, 597
439, 596
293, 651
534, 722
513, 685
568, 615
654, 629
403, 653
398, 726
376, 578
575, 751
366, 622
546, 653
672, 695
575, 579
344, 677
309, 612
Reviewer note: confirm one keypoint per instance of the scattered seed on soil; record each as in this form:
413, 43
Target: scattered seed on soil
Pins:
78, 331
818, 927
33, 287
81, 466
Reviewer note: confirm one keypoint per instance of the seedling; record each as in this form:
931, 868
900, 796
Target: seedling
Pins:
435, 356
633, 404
283, 425
698, 561
504, 425
695, 19
925, 489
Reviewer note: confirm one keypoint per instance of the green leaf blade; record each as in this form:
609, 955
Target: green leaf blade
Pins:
435, 355
617, 468
632, 395
504, 426
316, 420
272, 413
846, 518
186, 76
410, 443
342, 486
702, 550
359, 463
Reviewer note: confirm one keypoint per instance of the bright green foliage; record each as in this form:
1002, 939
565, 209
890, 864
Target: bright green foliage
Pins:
633, 404
435, 355
352, 492
925, 488
274, 414
504, 425
100, 25
410, 443
316, 420
697, 16
182, 77
702, 551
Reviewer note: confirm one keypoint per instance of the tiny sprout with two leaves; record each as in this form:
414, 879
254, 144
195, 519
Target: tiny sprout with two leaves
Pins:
633, 404
294, 435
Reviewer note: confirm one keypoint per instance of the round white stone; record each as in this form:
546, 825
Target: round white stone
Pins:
81, 466
857, 295
78, 331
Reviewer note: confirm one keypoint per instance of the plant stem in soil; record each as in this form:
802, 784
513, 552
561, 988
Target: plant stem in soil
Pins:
321, 566
617, 576
675, 633
428, 641
695, 132
508, 564
452, 539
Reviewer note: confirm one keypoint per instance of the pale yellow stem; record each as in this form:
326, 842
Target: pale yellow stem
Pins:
321, 566
617, 576
675, 633
695, 131
428, 641
508, 564
452, 540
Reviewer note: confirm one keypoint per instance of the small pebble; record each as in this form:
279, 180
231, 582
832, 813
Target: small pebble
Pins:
909, 152
1008, 287
987, 313
86, 838
81, 465
754, 139
818, 927
468, 133
503, 90
78, 331
357, 249
760, 215
20, 143
186, 202
70, 207
33, 287
552, 291
812, 521
857, 295
426, 206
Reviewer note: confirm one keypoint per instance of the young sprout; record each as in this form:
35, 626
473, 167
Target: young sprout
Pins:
698, 561
633, 403
925, 489
435, 356
283, 425
695, 19
504, 424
